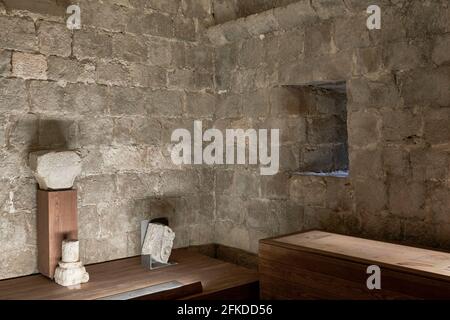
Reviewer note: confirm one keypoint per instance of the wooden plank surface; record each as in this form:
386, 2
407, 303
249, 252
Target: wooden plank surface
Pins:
56, 220
320, 265
115, 277
416, 260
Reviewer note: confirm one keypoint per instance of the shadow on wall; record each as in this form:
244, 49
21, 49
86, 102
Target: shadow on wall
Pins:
50, 7
159, 207
28, 133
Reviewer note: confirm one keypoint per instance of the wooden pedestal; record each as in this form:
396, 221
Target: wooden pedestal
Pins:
56, 221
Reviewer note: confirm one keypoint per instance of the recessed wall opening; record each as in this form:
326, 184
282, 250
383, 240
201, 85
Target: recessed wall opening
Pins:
325, 149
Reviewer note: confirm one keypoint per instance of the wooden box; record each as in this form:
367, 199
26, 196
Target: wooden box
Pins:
56, 221
320, 265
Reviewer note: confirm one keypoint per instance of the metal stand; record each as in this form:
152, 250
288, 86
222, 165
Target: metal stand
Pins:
146, 259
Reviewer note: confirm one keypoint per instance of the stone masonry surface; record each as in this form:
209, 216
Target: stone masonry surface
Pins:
114, 91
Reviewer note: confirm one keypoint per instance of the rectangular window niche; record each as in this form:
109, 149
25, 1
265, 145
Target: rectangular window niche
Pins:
325, 149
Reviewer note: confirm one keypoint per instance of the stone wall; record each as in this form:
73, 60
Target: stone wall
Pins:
227, 10
113, 91
398, 108
138, 69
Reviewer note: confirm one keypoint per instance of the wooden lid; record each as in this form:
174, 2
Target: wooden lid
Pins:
370, 251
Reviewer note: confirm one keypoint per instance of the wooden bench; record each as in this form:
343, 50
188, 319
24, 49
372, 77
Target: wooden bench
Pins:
121, 278
320, 265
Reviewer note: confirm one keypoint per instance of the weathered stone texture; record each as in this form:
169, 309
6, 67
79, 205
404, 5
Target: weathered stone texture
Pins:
137, 70
54, 39
396, 115
29, 66
103, 91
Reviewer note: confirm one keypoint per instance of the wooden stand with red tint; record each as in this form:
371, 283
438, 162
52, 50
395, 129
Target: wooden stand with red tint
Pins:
56, 221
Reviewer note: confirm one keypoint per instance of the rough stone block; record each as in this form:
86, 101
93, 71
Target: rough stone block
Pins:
199, 57
29, 66
164, 103
370, 197
235, 30
179, 182
256, 104
406, 198
157, 24
419, 86
182, 78
401, 125
224, 181
169, 6
70, 70
129, 48
24, 132
367, 163
95, 131
262, 23
261, 215
159, 52
216, 35
357, 38
229, 106
436, 127
251, 54
196, 8
113, 74
314, 191
429, 164
396, 161
85, 99
17, 33
364, 93
94, 45
246, 185
185, 29
200, 105
404, 55
274, 187
438, 200
291, 45
327, 9
46, 97
364, 129
5, 62
126, 101
13, 96
54, 39
367, 60
441, 50
55, 170
104, 15
296, 14
96, 189
137, 131
148, 76
113, 248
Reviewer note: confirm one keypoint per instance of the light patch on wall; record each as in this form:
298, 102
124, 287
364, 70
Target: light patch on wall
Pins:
12, 209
